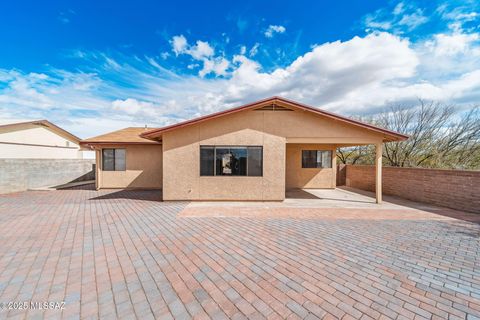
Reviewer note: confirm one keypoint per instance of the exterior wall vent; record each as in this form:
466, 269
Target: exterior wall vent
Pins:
273, 107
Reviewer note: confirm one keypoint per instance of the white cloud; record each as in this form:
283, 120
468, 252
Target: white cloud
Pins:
457, 12
179, 44
399, 8
201, 50
372, 23
134, 107
272, 29
254, 50
449, 55
451, 44
332, 75
35, 96
413, 20
153, 62
198, 51
111, 63
354, 76
193, 66
218, 66
403, 17
25, 89
358, 76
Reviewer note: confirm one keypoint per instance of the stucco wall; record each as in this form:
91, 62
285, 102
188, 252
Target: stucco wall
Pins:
24, 174
270, 129
34, 135
143, 169
38, 143
456, 189
15, 151
181, 169
298, 177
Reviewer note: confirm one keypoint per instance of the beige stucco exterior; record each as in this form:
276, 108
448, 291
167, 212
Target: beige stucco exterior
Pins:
143, 168
169, 157
181, 166
282, 134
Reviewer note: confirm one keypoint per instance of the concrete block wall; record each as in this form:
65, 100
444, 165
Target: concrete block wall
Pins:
456, 189
23, 174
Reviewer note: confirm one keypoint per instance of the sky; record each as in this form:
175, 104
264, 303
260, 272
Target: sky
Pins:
96, 66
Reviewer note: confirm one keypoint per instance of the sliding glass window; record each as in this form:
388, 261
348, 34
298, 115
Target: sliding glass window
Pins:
231, 161
316, 159
113, 160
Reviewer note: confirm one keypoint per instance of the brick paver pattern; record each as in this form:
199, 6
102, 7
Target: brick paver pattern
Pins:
124, 254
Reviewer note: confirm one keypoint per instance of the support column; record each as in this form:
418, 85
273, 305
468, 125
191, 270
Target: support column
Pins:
98, 163
378, 172
334, 167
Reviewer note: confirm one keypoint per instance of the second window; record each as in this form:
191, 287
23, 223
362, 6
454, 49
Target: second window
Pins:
316, 159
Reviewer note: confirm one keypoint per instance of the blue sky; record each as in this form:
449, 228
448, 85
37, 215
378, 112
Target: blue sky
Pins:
145, 62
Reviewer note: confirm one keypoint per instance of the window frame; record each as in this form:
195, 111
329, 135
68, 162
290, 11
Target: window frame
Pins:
316, 154
114, 161
214, 162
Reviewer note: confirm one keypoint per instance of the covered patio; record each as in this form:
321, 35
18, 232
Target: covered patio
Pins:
300, 177
340, 197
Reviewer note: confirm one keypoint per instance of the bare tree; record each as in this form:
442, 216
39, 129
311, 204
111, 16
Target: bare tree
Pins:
460, 145
439, 138
353, 155
356, 154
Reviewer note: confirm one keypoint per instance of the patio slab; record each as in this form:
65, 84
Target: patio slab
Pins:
339, 203
120, 253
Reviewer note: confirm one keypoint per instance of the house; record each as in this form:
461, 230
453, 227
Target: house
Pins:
39, 140
252, 152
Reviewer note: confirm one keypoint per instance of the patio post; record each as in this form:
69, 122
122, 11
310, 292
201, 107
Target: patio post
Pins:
97, 168
378, 172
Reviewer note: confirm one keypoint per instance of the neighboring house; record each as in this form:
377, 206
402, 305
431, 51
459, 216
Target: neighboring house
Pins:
39, 140
253, 152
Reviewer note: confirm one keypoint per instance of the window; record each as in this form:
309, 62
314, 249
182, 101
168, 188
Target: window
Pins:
207, 160
316, 159
113, 160
231, 161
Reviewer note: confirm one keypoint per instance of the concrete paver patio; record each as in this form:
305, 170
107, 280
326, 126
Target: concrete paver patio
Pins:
124, 254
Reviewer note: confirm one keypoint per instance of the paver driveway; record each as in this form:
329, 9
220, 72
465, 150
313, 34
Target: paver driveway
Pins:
119, 254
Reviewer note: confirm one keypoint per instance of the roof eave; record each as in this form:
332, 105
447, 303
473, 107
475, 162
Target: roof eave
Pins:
92, 143
399, 137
